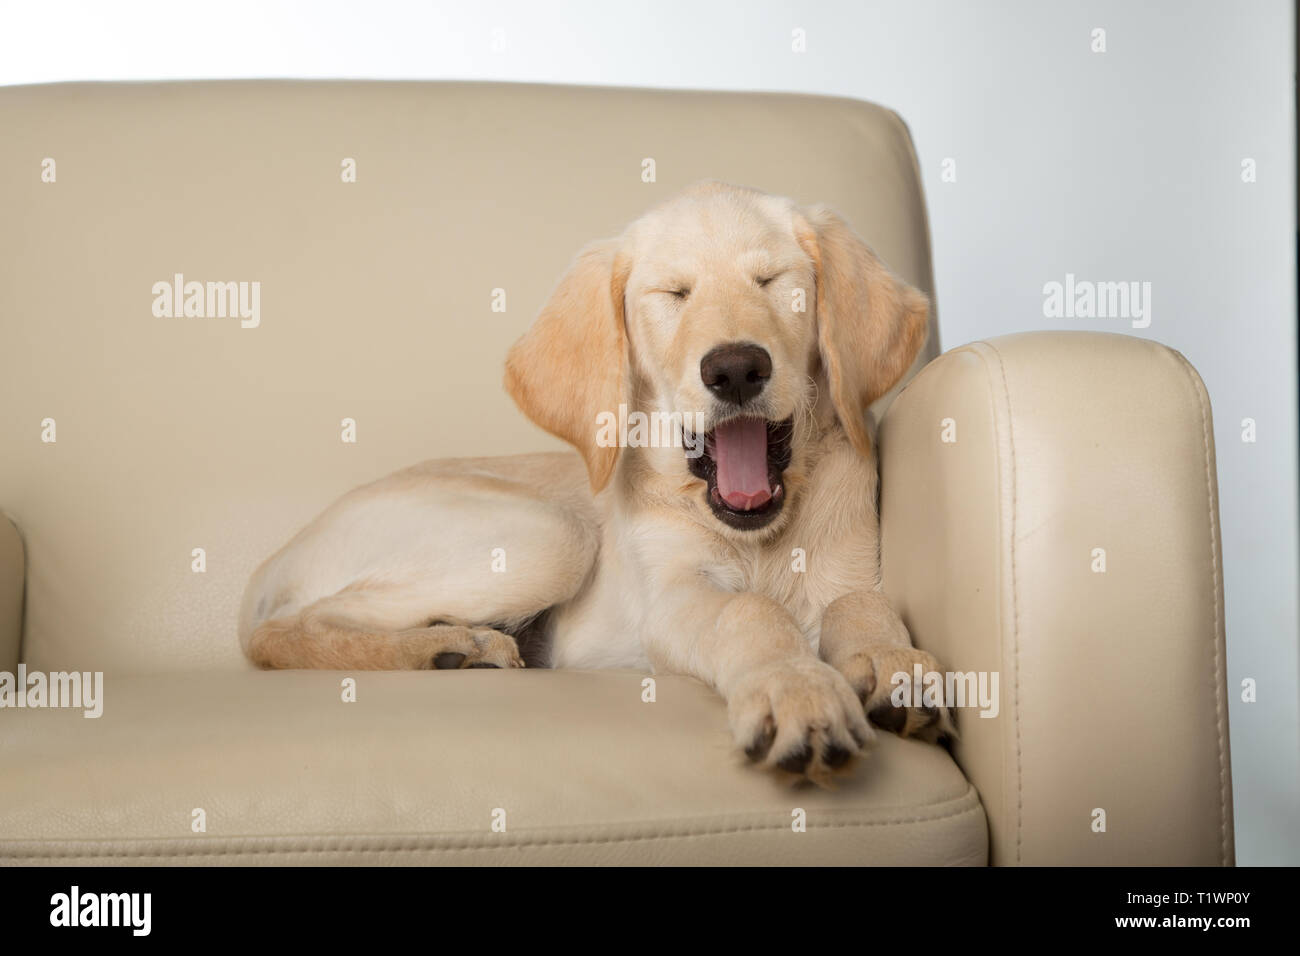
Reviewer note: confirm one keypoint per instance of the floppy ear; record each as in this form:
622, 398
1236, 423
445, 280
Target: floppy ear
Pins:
870, 324
571, 364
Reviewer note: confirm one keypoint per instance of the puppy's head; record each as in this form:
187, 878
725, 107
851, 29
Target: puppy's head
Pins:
722, 318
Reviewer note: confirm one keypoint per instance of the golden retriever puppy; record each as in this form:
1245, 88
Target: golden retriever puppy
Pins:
712, 366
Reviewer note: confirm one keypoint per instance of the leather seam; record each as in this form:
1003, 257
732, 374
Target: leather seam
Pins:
1191, 377
432, 844
1015, 594
1015, 600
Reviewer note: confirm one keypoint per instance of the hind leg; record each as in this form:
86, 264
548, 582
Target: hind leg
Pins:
446, 558
310, 641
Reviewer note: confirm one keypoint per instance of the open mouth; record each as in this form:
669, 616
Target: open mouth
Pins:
742, 465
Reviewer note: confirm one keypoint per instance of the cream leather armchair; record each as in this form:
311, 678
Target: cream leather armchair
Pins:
152, 458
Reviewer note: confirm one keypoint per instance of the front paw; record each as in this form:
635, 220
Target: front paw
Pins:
871, 673
799, 715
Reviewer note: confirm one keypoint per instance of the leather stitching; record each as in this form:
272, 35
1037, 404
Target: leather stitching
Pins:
1194, 381
422, 843
1015, 600
1015, 597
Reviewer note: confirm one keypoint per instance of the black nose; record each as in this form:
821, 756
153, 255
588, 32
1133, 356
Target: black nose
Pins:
736, 373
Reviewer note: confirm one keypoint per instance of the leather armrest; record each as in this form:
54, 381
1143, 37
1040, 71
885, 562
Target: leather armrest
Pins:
12, 575
1067, 538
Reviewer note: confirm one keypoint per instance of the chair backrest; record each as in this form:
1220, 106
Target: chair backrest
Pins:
374, 302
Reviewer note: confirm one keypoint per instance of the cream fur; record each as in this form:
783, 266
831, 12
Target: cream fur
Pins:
620, 543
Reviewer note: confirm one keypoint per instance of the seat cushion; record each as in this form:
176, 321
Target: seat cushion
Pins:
417, 769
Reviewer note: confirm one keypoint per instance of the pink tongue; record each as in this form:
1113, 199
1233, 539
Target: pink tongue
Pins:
740, 448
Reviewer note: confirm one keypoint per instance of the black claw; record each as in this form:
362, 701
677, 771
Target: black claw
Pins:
891, 718
796, 761
858, 738
448, 661
761, 744
836, 756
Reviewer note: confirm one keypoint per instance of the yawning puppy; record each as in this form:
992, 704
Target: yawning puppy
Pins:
735, 540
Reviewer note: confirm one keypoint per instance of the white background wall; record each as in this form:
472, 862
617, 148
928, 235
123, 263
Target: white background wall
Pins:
1123, 165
